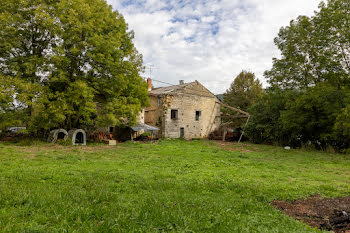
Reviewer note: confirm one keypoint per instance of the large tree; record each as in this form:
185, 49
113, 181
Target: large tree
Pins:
244, 91
314, 49
313, 76
265, 125
72, 63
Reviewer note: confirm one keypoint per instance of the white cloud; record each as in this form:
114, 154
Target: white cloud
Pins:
209, 40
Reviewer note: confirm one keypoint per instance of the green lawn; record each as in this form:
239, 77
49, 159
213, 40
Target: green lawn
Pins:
171, 186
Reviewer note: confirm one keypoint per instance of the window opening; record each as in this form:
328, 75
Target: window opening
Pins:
198, 115
174, 114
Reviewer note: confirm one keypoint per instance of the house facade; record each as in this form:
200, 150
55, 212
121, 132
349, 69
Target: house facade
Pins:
187, 110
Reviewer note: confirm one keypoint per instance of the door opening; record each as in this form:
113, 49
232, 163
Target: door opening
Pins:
182, 132
79, 138
61, 136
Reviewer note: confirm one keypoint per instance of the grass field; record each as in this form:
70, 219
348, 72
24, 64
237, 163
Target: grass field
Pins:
170, 186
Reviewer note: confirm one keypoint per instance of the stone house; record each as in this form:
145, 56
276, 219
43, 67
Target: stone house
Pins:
187, 110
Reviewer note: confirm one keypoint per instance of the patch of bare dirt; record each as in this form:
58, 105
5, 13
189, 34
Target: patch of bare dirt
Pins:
323, 213
230, 146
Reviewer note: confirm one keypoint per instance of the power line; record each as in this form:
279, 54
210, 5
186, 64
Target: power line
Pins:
163, 82
151, 68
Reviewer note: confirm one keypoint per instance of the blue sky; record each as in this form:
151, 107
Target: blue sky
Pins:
208, 40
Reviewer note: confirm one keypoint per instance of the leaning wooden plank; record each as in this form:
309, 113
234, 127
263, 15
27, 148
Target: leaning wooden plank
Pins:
234, 109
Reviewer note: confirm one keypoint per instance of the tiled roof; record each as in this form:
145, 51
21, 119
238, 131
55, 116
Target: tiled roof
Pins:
166, 90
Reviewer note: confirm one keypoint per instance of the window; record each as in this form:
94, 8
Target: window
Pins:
174, 114
198, 115
111, 129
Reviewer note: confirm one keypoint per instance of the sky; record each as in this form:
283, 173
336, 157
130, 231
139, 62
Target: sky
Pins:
211, 41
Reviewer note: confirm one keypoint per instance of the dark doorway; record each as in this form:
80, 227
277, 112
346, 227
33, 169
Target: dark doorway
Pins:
182, 132
61, 136
123, 134
79, 138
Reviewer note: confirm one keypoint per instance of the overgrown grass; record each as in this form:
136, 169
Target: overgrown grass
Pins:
171, 186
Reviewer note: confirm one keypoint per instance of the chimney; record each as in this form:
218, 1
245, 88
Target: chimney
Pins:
149, 84
181, 82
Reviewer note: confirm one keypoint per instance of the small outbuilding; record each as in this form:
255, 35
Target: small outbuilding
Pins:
57, 134
143, 128
78, 137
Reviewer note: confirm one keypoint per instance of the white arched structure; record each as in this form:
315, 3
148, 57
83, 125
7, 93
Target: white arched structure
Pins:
57, 134
78, 137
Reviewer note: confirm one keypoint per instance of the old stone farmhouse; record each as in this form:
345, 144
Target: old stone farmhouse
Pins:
187, 110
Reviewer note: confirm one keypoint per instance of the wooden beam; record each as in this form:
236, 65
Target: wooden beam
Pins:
227, 123
245, 115
235, 117
240, 138
235, 109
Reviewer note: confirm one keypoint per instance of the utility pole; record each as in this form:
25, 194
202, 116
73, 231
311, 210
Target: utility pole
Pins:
150, 67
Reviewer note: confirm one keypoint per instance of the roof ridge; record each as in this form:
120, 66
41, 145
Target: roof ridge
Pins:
170, 89
184, 84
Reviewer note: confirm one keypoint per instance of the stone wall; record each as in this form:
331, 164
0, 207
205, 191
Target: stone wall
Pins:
187, 105
152, 113
186, 101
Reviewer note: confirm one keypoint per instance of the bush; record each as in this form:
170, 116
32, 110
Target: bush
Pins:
316, 117
146, 134
264, 125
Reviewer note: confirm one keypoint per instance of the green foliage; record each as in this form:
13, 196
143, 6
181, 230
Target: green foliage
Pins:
6, 94
293, 117
7, 113
313, 76
146, 134
311, 115
171, 186
264, 125
245, 90
67, 142
72, 64
341, 130
314, 49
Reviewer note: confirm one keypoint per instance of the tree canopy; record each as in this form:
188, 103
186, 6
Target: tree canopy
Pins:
308, 101
314, 49
68, 64
245, 90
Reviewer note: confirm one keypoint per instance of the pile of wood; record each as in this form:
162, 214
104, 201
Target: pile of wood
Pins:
217, 134
226, 134
8, 137
101, 137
